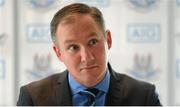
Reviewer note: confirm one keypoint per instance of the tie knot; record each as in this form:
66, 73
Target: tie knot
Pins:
93, 90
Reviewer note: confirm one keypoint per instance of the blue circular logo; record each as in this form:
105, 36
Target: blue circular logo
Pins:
98, 3
42, 5
143, 5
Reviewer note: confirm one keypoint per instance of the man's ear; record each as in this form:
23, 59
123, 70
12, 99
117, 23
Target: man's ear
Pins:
56, 50
108, 39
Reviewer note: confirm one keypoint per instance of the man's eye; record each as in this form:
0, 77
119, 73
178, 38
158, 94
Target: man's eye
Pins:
73, 48
93, 42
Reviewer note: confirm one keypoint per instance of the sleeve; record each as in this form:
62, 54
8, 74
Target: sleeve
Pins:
153, 99
24, 98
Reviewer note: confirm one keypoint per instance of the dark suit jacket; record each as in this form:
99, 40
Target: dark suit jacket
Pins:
55, 91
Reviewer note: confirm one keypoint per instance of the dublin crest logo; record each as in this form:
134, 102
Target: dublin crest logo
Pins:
143, 68
143, 5
3, 38
42, 5
41, 67
99, 3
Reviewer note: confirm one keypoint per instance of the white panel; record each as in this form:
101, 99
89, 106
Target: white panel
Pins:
6, 53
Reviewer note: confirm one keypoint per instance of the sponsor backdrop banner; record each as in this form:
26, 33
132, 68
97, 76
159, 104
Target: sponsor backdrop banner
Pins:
6, 53
140, 47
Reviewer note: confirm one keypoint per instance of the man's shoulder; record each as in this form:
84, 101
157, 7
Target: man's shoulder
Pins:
42, 92
132, 91
47, 82
130, 83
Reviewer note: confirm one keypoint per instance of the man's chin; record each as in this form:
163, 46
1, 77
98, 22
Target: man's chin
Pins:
90, 81
89, 84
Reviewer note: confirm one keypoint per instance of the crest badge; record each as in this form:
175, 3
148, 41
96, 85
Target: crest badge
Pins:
99, 3
41, 67
143, 68
143, 5
42, 5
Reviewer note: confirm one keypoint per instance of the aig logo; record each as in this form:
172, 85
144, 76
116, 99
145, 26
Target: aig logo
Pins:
144, 33
1, 3
38, 33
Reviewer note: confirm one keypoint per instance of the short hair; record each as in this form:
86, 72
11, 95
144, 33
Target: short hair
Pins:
79, 8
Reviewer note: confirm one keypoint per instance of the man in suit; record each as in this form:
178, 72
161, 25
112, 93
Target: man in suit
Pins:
81, 42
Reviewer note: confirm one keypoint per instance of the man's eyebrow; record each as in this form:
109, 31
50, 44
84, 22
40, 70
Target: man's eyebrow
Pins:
73, 41
92, 34
69, 41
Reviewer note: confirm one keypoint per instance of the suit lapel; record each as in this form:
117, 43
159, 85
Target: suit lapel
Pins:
115, 93
62, 89
114, 96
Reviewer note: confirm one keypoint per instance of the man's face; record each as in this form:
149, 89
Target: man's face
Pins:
82, 47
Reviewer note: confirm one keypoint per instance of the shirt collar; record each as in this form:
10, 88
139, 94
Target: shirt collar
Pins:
76, 87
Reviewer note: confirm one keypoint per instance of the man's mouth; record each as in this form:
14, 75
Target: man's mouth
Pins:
88, 67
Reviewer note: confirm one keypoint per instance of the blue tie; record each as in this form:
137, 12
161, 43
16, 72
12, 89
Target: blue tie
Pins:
90, 94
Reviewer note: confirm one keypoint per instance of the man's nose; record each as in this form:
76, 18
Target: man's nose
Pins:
86, 55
